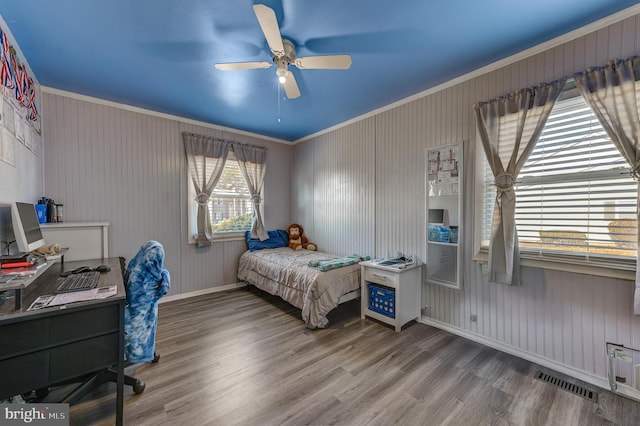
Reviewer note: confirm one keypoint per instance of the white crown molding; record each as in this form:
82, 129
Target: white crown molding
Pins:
570, 36
104, 102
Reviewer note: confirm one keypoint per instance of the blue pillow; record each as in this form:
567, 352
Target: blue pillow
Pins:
274, 241
284, 236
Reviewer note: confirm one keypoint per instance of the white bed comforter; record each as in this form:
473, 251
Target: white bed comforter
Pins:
285, 273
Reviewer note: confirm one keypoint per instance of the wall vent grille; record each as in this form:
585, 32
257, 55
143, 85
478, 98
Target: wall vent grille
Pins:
569, 387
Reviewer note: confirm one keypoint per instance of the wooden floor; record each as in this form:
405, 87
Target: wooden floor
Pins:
245, 358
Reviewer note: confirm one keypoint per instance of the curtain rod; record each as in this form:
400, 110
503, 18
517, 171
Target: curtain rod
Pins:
231, 142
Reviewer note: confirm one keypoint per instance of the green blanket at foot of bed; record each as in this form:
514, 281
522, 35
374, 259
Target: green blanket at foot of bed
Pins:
339, 262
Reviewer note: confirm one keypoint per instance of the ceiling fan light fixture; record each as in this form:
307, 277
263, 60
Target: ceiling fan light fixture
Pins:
284, 54
282, 72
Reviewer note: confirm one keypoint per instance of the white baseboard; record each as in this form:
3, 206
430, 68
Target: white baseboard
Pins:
601, 382
201, 292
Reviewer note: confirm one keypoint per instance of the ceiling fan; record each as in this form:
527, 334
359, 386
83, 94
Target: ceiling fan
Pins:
284, 54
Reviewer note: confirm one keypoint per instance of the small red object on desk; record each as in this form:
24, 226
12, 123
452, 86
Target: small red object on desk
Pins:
16, 265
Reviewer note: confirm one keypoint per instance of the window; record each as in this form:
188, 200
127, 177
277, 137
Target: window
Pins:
230, 204
575, 195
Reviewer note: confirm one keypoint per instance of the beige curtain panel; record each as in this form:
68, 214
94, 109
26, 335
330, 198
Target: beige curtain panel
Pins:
509, 128
253, 165
613, 93
206, 157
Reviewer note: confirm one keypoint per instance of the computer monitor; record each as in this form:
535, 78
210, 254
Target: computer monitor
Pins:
26, 227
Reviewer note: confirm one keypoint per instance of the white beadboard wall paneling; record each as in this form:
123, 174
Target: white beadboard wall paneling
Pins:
107, 164
128, 168
277, 185
303, 189
560, 318
400, 191
343, 177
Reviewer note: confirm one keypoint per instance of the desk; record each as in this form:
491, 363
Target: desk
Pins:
17, 284
47, 346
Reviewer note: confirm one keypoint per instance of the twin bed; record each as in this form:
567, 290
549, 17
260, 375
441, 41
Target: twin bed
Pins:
286, 273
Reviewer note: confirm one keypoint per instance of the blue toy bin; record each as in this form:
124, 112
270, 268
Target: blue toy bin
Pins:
382, 300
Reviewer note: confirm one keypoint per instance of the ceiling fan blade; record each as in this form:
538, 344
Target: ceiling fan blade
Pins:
331, 62
232, 66
269, 24
291, 87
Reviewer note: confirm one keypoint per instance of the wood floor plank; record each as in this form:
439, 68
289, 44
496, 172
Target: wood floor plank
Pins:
243, 357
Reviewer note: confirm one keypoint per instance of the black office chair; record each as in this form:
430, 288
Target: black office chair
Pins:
146, 281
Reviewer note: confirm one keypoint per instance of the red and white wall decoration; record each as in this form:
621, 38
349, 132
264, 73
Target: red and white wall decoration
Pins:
20, 118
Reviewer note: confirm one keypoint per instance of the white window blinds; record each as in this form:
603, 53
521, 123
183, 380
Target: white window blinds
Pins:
575, 194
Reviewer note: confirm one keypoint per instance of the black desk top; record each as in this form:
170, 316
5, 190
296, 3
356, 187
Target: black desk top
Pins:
46, 284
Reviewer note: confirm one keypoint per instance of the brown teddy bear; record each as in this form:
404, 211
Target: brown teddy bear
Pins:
298, 241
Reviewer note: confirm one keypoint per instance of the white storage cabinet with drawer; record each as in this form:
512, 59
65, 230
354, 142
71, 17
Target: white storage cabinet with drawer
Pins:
390, 295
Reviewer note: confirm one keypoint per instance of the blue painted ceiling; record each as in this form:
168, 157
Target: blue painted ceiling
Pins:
160, 54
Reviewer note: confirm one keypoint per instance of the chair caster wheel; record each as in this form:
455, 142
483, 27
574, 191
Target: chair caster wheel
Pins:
156, 358
138, 387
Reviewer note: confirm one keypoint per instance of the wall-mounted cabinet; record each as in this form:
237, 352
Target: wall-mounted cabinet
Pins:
85, 240
444, 215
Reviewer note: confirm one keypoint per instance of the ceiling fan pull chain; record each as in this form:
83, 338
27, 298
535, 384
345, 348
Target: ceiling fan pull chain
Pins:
278, 101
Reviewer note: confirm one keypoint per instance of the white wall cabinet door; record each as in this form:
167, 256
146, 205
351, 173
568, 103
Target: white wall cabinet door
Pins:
444, 215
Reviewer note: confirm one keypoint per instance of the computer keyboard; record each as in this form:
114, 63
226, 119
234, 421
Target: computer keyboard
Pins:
77, 282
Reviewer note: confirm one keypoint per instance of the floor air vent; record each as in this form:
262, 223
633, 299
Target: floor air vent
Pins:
569, 387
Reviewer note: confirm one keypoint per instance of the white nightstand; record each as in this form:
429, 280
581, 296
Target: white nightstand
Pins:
396, 298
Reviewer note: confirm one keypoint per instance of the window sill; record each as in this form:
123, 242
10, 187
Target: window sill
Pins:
223, 238
228, 238
624, 269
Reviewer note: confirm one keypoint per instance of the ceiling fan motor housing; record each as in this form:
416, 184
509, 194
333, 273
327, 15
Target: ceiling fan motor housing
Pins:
282, 62
289, 53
